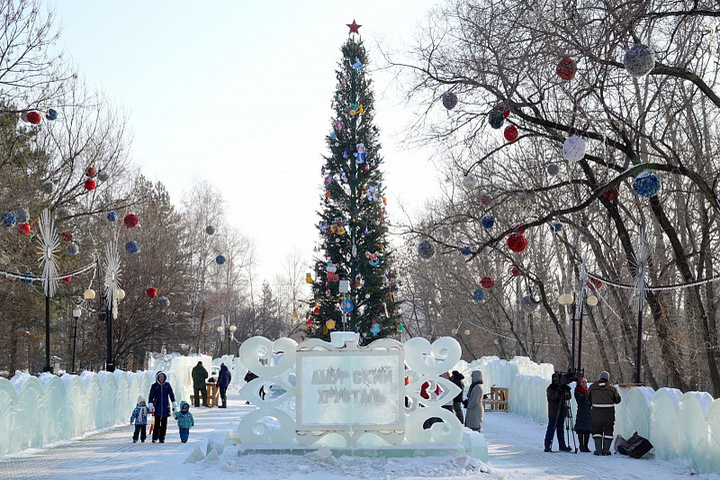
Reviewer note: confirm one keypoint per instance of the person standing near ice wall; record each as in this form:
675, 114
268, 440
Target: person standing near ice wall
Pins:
558, 396
161, 394
583, 419
603, 396
223, 382
474, 414
457, 379
199, 374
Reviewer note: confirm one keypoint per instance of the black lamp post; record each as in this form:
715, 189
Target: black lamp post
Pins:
47, 367
76, 315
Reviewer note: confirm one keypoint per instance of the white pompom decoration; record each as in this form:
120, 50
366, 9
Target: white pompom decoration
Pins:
573, 149
469, 182
639, 60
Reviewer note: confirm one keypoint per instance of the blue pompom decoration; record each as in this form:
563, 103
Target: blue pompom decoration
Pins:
22, 215
112, 216
132, 247
27, 281
375, 329
479, 295
465, 250
646, 184
220, 259
51, 114
8, 220
488, 221
555, 227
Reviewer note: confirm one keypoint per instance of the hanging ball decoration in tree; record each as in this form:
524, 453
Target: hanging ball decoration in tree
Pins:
34, 118
103, 176
529, 304
426, 250
8, 219
511, 133
646, 184
73, 249
163, 302
595, 283
612, 193
573, 149
27, 280
48, 186
465, 250
486, 199
220, 259
89, 184
552, 169
330, 324
89, 294
22, 215
479, 295
517, 242
51, 114
556, 226
210, 230
23, 117
566, 69
132, 247
487, 282
130, 220
639, 60
449, 100
112, 216
90, 172
151, 292
469, 182
67, 279
515, 271
23, 228
66, 236
496, 118
487, 220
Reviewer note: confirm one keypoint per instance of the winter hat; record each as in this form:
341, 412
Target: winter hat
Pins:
141, 399
477, 376
604, 375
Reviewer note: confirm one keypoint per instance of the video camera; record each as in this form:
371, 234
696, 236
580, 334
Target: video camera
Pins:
566, 378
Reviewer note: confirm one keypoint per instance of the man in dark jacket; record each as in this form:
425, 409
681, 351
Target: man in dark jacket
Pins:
224, 378
557, 396
603, 396
199, 374
159, 405
457, 379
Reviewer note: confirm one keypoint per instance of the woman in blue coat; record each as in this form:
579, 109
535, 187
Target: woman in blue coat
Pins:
161, 394
224, 378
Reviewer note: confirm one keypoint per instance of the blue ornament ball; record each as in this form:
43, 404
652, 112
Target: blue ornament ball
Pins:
488, 221
103, 176
51, 114
556, 227
132, 247
220, 259
112, 216
426, 250
22, 215
646, 184
210, 230
8, 219
73, 249
163, 302
27, 281
465, 250
479, 295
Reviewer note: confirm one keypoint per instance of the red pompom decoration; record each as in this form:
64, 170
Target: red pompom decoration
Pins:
486, 200
130, 220
611, 193
566, 69
487, 283
34, 117
89, 184
517, 242
90, 172
515, 271
511, 133
504, 110
66, 236
595, 283
151, 292
23, 228
67, 279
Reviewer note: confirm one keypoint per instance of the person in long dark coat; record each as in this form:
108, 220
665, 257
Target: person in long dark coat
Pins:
199, 374
457, 379
557, 397
161, 394
224, 378
583, 418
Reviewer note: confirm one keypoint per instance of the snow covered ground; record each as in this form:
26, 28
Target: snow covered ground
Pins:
515, 447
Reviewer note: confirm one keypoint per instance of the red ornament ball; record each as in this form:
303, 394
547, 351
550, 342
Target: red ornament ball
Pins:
90, 172
517, 242
487, 283
515, 271
511, 133
34, 117
595, 283
504, 110
89, 184
67, 279
23, 228
151, 292
66, 236
130, 220
612, 193
566, 69
486, 200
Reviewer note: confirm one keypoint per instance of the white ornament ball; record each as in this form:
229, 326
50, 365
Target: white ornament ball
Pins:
639, 60
574, 149
469, 182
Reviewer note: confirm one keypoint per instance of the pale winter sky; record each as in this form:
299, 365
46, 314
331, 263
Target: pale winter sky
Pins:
239, 92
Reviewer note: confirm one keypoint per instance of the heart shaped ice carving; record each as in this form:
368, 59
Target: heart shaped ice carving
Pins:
278, 355
433, 359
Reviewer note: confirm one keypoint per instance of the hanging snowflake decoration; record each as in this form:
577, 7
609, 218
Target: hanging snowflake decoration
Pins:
646, 184
639, 60
112, 277
449, 100
488, 221
573, 149
48, 244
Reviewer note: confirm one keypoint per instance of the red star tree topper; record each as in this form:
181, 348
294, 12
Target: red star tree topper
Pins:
354, 27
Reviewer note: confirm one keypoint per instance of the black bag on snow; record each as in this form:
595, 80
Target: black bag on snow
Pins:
636, 446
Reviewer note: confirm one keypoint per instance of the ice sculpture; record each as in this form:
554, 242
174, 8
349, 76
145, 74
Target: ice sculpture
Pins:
632, 414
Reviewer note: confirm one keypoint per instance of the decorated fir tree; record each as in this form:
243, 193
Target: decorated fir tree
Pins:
354, 283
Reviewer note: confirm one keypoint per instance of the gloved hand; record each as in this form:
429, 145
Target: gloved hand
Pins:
174, 406
152, 408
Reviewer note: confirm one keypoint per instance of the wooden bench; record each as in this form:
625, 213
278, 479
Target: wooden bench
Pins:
213, 393
496, 400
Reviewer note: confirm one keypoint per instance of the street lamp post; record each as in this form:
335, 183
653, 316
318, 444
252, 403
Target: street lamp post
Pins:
220, 331
47, 367
232, 329
76, 315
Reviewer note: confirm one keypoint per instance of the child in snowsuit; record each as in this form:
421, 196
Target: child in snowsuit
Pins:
185, 421
139, 417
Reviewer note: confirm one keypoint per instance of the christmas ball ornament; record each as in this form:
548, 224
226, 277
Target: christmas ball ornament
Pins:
496, 118
34, 118
639, 60
566, 69
426, 250
27, 280
48, 186
120, 293
66, 236
487, 283
89, 184
21, 215
511, 133
8, 219
552, 169
151, 292
73, 249
163, 302
130, 220
220, 259
646, 184
90, 172
595, 283
103, 176
555, 227
375, 328
469, 182
479, 295
112, 216
51, 114
23, 228
23, 117
66, 280
308, 278
89, 294
573, 149
515, 271
486, 199
330, 324
517, 242
592, 300
487, 220
132, 247
449, 100
612, 193
529, 304
210, 230
465, 250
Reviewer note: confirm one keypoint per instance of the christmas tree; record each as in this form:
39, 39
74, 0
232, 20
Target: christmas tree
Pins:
354, 281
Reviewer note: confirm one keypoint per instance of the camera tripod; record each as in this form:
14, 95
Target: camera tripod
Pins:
569, 433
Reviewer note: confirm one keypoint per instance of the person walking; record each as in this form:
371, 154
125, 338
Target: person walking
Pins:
199, 374
223, 382
557, 397
457, 378
603, 396
139, 417
475, 412
583, 419
185, 421
161, 394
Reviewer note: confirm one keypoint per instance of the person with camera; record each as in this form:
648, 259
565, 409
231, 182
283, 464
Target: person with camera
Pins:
558, 396
603, 396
